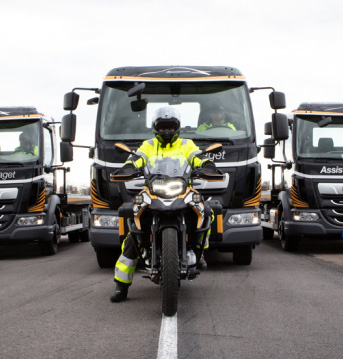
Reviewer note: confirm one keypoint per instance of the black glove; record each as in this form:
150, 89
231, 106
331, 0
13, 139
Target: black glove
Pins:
127, 169
210, 168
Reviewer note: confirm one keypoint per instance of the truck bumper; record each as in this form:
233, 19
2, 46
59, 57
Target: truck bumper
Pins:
104, 236
15, 234
239, 235
319, 228
306, 229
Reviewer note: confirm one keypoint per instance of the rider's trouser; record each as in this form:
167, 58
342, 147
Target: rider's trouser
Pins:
126, 263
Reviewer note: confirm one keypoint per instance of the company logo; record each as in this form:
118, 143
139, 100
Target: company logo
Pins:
7, 175
332, 170
216, 156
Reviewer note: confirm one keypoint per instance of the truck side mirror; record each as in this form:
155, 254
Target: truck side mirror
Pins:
277, 100
68, 128
269, 149
66, 152
268, 130
279, 127
71, 100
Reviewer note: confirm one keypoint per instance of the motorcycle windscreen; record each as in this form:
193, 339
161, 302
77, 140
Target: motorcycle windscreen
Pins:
173, 166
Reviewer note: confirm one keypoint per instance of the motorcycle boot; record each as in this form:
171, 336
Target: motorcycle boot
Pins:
202, 264
120, 293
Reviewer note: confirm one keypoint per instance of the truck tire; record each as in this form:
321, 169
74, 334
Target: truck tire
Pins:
170, 271
242, 255
288, 244
268, 233
49, 248
107, 257
74, 237
84, 235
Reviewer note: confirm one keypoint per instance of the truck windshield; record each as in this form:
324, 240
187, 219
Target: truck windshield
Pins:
313, 141
19, 141
216, 110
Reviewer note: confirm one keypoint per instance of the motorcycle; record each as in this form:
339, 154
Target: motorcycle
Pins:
169, 220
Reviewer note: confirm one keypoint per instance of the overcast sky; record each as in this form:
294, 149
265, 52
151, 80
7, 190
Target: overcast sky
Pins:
48, 47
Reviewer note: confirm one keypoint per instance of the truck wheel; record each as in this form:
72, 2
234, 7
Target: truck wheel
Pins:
268, 233
84, 235
242, 255
107, 257
74, 237
288, 244
49, 248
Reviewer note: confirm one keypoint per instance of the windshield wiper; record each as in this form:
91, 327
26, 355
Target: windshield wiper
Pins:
214, 140
11, 164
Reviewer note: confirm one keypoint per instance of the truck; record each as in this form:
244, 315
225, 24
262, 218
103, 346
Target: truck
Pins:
128, 98
305, 198
32, 207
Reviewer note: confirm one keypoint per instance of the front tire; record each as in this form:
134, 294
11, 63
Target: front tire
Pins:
170, 271
288, 244
107, 257
242, 255
49, 248
268, 233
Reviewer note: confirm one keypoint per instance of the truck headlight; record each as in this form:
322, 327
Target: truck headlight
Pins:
245, 218
168, 188
31, 221
102, 220
305, 216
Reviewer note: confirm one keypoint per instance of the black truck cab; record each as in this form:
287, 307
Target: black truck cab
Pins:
128, 99
30, 208
309, 202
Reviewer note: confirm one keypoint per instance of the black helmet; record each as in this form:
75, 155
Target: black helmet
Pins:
166, 124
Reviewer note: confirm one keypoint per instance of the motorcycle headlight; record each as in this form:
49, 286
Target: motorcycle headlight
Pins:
168, 188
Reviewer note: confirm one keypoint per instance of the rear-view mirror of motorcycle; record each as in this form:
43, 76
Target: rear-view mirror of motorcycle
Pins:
215, 148
121, 148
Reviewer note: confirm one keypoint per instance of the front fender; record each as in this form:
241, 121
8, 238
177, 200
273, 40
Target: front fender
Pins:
283, 198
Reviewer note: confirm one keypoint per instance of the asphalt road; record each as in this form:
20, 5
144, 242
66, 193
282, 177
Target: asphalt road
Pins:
283, 305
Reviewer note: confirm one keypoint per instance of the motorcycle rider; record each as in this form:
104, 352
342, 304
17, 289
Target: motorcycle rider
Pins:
166, 126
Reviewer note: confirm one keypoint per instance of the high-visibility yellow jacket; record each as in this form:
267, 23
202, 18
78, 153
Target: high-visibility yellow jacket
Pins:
205, 126
153, 147
33, 152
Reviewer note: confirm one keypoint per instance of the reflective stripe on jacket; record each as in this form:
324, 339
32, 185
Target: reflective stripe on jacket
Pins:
153, 147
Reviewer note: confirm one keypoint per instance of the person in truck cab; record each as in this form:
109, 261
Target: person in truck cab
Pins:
26, 145
166, 126
215, 117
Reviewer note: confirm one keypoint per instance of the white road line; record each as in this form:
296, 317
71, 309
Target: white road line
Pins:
167, 346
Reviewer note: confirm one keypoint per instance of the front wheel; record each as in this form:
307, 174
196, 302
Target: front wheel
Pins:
242, 255
49, 248
170, 271
288, 244
107, 257
268, 233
